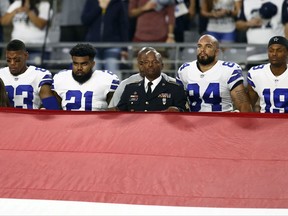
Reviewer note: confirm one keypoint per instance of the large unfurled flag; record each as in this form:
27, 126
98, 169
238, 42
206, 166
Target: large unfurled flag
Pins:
170, 159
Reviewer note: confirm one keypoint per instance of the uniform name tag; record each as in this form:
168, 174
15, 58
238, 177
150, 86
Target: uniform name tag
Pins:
133, 98
164, 95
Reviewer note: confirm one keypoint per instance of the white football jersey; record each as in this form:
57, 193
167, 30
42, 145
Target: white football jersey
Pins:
23, 90
272, 90
210, 91
89, 96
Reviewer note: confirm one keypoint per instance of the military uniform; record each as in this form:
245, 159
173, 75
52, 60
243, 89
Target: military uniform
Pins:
165, 94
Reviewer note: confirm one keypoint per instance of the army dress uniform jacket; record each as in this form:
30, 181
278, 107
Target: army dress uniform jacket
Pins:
165, 94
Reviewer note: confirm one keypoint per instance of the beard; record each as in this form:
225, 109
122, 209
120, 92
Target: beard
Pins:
206, 61
82, 78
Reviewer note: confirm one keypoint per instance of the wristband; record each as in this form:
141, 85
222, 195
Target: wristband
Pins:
50, 103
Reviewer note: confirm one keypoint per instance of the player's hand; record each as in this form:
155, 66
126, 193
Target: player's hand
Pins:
171, 109
112, 109
150, 5
235, 111
104, 3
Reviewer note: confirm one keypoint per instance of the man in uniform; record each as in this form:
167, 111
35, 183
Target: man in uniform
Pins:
153, 93
135, 77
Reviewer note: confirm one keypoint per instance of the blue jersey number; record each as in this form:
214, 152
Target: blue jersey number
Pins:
210, 96
280, 100
78, 97
21, 90
257, 67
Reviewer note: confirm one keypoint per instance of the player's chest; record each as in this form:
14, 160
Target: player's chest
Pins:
75, 86
20, 80
206, 78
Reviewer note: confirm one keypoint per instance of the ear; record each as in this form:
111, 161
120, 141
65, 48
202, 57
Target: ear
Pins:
217, 51
26, 54
93, 63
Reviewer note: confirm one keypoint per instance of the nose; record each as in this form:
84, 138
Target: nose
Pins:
12, 62
79, 67
201, 49
274, 52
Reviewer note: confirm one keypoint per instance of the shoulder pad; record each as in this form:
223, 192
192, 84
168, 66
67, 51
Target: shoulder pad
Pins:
135, 83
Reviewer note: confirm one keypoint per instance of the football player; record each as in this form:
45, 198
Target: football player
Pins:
269, 82
213, 85
28, 87
82, 88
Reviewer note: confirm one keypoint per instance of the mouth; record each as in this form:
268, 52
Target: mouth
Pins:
203, 55
79, 73
13, 70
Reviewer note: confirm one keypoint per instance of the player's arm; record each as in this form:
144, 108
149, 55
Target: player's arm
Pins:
49, 100
253, 96
117, 95
240, 98
109, 97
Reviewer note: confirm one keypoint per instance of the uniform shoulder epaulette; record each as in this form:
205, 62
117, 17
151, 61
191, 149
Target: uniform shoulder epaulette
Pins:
134, 82
173, 82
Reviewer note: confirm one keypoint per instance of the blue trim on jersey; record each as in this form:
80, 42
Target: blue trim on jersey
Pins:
116, 82
47, 79
183, 66
114, 87
179, 81
45, 82
47, 76
249, 80
235, 75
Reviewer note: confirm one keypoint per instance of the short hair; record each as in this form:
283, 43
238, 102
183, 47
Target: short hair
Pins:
83, 50
16, 45
144, 50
